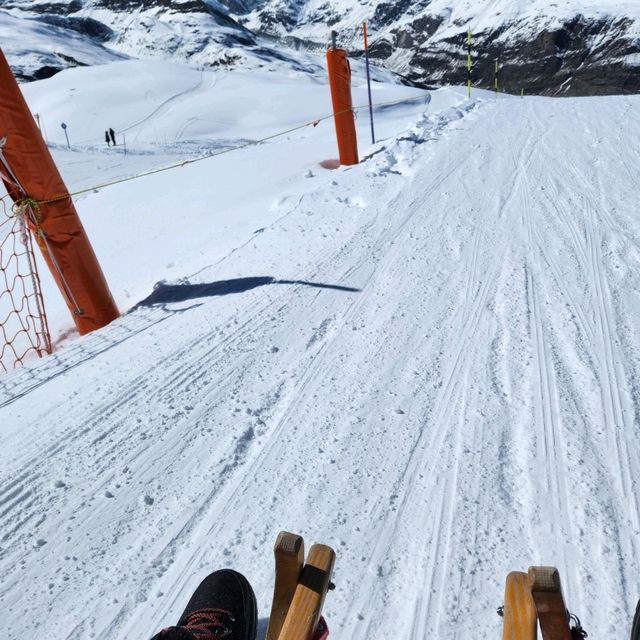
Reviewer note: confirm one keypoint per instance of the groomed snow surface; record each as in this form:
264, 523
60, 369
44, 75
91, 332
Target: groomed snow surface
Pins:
429, 361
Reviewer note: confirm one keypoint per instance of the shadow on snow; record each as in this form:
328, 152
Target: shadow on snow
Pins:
164, 293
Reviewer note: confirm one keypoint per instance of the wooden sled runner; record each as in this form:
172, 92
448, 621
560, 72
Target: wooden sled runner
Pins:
300, 588
535, 598
520, 618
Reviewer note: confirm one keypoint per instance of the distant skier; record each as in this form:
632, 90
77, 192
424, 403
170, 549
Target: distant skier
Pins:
106, 138
112, 133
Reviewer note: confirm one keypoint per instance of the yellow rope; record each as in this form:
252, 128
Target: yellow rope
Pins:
19, 207
20, 204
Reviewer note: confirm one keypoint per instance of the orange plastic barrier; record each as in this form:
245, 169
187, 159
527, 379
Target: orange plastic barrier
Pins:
29, 175
340, 84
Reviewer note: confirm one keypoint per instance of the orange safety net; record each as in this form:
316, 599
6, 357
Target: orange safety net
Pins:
23, 323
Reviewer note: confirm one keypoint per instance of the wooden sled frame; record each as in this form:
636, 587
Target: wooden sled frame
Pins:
532, 598
300, 588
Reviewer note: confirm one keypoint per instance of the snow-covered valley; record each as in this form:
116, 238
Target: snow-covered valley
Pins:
429, 361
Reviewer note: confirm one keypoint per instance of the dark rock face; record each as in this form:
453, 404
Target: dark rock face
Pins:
584, 56
566, 61
387, 12
42, 73
58, 8
86, 26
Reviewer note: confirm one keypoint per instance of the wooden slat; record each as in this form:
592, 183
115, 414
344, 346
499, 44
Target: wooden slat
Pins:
520, 620
289, 556
306, 606
547, 595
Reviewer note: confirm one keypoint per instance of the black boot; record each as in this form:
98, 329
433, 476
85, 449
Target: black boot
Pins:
635, 629
223, 606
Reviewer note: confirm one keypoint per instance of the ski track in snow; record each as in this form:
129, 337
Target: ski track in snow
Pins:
472, 409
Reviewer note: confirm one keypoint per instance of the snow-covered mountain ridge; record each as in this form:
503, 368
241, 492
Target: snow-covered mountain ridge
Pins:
544, 47
56, 35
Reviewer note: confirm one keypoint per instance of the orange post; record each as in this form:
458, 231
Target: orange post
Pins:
340, 84
32, 179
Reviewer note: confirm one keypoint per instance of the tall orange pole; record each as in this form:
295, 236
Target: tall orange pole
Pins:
32, 180
340, 84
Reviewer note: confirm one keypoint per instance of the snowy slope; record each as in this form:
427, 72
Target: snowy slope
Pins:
428, 361
38, 50
189, 114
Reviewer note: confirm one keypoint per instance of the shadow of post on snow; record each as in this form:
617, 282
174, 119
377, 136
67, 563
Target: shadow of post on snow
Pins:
164, 293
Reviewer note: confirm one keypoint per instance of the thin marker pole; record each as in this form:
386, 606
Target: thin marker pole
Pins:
496, 77
66, 135
366, 55
469, 63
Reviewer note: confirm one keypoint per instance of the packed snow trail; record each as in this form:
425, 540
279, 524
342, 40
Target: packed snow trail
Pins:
430, 364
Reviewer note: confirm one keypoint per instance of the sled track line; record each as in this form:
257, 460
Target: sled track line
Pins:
547, 413
440, 415
600, 345
165, 104
442, 527
611, 375
613, 412
607, 354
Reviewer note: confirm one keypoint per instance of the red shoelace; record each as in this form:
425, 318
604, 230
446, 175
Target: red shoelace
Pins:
205, 624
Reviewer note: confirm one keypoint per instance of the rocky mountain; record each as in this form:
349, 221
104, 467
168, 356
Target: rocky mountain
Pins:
44, 36
542, 46
553, 47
